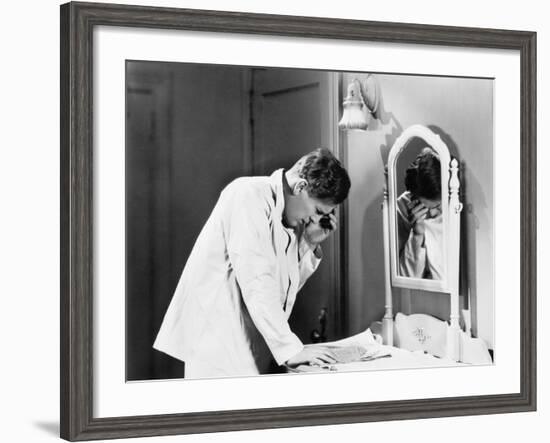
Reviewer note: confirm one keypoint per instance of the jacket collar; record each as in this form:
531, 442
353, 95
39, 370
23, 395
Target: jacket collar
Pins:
277, 187
276, 182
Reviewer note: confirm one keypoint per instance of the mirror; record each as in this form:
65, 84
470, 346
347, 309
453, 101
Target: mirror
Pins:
422, 221
418, 212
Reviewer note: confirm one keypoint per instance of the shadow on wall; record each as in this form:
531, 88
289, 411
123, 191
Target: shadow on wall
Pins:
472, 218
372, 247
385, 118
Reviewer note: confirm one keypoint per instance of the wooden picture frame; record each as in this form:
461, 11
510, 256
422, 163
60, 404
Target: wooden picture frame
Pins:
77, 23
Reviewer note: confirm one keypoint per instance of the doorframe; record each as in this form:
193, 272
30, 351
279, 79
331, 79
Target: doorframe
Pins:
340, 242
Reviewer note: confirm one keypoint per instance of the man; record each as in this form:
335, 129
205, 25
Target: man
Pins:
229, 313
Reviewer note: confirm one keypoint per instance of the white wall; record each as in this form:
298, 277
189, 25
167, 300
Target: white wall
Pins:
460, 110
29, 187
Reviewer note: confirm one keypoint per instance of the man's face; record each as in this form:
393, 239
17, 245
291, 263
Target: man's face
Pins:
304, 209
434, 206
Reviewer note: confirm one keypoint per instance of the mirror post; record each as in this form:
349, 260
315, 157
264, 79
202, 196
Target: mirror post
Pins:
387, 322
455, 208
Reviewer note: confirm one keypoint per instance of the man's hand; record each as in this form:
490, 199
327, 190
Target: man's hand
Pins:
417, 216
315, 232
313, 356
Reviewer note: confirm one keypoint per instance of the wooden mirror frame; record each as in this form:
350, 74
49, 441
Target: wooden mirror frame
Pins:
451, 208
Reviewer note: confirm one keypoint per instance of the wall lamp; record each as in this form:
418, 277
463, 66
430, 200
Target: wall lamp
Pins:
361, 100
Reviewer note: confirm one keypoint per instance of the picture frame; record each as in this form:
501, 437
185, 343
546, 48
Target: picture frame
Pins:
78, 21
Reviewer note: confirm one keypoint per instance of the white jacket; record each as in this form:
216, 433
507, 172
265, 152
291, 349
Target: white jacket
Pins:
229, 313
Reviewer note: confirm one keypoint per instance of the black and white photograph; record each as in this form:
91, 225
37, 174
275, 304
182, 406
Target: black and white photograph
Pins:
296, 221
236, 221
274, 221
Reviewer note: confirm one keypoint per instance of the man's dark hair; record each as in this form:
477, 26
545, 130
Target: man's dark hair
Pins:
423, 176
326, 177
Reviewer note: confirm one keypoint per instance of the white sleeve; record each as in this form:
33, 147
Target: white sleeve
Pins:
411, 248
252, 256
412, 260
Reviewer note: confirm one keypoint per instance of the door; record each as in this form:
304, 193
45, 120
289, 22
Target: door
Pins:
293, 112
186, 133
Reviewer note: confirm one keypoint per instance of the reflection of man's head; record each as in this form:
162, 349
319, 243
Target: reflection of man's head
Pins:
423, 180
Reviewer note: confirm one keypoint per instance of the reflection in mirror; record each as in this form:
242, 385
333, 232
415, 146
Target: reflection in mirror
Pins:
419, 213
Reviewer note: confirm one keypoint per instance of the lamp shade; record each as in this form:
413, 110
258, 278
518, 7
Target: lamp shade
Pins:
353, 116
